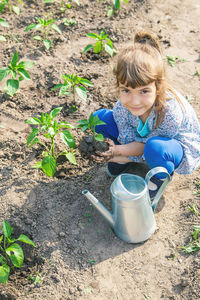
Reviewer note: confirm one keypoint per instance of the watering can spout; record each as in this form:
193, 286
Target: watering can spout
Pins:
105, 213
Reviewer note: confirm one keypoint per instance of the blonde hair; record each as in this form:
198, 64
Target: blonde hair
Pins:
140, 64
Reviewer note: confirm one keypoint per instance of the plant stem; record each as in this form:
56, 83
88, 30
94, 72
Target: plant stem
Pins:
74, 94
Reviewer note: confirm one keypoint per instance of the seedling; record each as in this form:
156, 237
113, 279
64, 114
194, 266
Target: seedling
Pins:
11, 253
197, 73
44, 25
11, 7
90, 125
193, 209
172, 60
36, 279
18, 72
68, 22
49, 128
103, 43
63, 6
4, 24
74, 83
115, 8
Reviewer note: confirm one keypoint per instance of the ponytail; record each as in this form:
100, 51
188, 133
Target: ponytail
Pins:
143, 37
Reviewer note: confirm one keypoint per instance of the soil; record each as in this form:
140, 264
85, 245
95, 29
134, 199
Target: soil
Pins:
78, 256
88, 146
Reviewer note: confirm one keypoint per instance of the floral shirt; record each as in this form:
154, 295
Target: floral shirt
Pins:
180, 122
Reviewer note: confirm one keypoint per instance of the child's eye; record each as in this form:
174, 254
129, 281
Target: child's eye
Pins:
125, 91
144, 91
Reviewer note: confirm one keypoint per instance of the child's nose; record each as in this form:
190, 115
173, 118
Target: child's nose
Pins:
135, 99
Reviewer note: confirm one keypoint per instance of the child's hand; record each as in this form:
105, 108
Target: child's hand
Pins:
105, 156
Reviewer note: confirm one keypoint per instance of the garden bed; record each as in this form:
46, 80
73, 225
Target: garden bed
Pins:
77, 255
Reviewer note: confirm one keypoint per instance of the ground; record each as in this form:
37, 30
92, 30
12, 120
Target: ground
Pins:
78, 256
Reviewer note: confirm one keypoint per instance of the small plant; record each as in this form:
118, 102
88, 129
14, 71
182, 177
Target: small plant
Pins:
11, 253
63, 6
90, 125
115, 8
18, 72
11, 7
35, 279
44, 25
103, 43
171, 60
50, 128
4, 24
197, 73
193, 209
68, 22
74, 83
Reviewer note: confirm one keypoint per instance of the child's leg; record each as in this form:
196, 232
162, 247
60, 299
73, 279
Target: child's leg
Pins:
163, 152
109, 130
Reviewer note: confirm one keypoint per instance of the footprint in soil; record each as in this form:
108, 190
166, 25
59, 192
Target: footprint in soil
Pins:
88, 146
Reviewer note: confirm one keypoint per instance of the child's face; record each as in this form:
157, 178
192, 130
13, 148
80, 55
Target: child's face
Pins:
140, 100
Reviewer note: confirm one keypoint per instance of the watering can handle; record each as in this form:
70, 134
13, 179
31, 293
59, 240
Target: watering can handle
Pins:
150, 174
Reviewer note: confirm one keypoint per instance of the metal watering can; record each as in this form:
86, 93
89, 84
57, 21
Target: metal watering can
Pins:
132, 219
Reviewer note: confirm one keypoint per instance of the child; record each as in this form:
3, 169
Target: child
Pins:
150, 120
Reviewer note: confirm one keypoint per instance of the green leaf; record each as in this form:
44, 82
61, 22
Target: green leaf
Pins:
33, 134
64, 90
14, 59
4, 23
92, 35
30, 27
4, 273
49, 1
4, 73
87, 48
117, 4
66, 125
47, 44
98, 47
33, 121
16, 9
51, 131
85, 81
55, 112
25, 64
24, 73
81, 91
49, 165
12, 86
110, 12
70, 156
57, 86
109, 49
2, 38
37, 38
7, 229
68, 138
16, 255
23, 238
83, 122
38, 165
56, 28
99, 137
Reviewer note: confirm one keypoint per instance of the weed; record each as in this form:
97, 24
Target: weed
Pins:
115, 8
74, 83
69, 22
4, 24
197, 73
103, 43
35, 279
11, 253
49, 128
18, 73
90, 125
44, 25
172, 60
91, 261
11, 7
193, 209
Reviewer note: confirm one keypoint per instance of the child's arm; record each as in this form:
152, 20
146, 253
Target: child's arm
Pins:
120, 153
